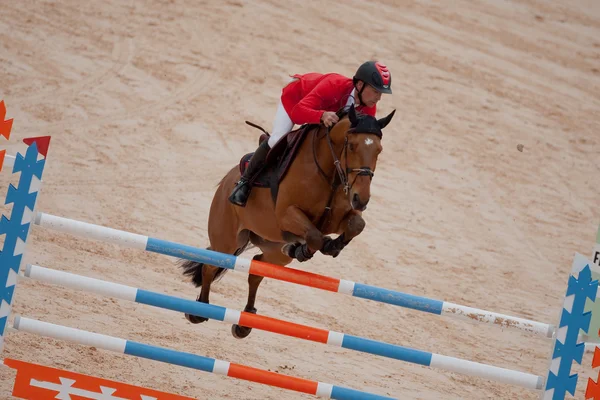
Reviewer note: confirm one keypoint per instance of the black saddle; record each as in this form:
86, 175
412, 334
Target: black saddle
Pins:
279, 159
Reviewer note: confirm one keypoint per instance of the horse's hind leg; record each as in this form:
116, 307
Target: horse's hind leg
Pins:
224, 238
210, 273
204, 275
271, 254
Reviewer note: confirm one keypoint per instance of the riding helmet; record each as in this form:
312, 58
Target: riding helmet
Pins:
375, 74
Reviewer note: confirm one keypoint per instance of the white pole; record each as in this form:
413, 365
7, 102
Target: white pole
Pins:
503, 375
9, 161
91, 285
69, 334
95, 232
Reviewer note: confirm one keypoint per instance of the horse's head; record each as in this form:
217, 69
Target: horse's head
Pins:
361, 136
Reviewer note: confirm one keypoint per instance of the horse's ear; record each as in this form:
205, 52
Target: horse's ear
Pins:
352, 115
383, 122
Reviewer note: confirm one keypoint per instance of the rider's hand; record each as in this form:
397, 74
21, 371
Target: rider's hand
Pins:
329, 118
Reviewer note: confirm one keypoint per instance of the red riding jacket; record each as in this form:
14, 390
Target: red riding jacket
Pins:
307, 98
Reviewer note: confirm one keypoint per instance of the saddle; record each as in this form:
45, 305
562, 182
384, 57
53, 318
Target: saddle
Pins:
279, 158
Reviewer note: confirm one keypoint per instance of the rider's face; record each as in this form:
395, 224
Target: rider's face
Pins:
370, 96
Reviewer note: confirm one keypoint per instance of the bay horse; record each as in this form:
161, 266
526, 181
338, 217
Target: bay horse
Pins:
304, 197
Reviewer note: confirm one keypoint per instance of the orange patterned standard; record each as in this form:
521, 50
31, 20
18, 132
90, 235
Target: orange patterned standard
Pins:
36, 382
5, 126
593, 388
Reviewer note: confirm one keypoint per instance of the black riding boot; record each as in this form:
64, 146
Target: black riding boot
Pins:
242, 189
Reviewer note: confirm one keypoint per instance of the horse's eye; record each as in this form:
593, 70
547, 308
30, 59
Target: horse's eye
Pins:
352, 146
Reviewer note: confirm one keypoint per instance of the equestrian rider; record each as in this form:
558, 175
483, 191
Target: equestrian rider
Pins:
314, 98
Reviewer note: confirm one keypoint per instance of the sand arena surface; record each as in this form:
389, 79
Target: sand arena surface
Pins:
146, 103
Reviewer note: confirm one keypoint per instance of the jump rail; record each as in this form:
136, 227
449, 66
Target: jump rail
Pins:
281, 327
437, 307
189, 360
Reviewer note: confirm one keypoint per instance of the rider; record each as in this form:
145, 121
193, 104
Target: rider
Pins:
314, 98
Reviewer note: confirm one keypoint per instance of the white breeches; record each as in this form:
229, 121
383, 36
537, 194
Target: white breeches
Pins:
282, 124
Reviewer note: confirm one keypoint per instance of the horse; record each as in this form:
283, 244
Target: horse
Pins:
302, 199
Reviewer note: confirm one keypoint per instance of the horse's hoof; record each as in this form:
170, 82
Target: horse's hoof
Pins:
195, 319
298, 251
240, 332
329, 248
333, 253
289, 249
302, 253
333, 247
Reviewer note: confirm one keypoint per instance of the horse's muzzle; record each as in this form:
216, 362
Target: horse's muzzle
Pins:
357, 204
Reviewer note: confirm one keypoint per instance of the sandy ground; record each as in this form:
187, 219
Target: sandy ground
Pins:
146, 103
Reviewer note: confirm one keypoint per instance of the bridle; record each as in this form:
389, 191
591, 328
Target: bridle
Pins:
344, 174
341, 174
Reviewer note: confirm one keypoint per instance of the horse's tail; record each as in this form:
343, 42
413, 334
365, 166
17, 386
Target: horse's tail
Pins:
194, 268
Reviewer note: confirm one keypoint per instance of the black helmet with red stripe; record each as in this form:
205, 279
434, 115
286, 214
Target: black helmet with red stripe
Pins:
375, 74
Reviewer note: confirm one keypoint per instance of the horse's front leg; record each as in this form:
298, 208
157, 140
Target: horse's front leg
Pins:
353, 224
294, 221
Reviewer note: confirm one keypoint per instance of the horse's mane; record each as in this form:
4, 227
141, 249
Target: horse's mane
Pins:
343, 112
364, 122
